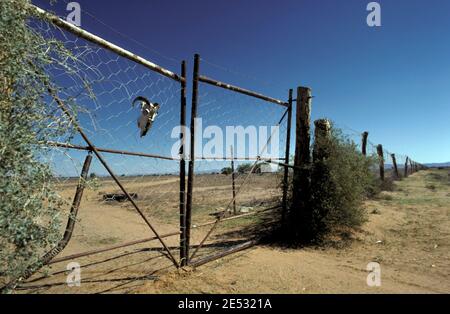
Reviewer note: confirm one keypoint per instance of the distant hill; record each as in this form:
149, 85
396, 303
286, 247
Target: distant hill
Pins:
436, 165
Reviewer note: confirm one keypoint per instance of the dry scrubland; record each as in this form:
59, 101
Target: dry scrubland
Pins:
408, 233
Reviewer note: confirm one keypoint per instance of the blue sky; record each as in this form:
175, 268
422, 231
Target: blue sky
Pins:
391, 80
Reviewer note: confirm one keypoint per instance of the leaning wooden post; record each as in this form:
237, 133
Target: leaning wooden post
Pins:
322, 136
394, 162
233, 178
365, 136
286, 160
381, 160
320, 173
406, 166
191, 173
300, 213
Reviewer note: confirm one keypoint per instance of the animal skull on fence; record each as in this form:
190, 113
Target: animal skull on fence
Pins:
149, 111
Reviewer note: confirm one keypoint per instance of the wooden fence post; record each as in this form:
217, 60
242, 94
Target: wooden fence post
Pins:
300, 214
233, 181
322, 135
365, 135
406, 167
394, 161
381, 160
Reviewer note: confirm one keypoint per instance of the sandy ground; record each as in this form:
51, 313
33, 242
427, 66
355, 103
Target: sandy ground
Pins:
412, 224
408, 234
103, 224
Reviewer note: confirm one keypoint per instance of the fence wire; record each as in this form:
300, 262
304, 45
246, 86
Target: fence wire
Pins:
372, 151
243, 215
99, 86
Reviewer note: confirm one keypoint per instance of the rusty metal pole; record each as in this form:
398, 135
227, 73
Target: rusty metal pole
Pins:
286, 160
240, 90
228, 251
70, 222
112, 174
191, 173
73, 211
183, 168
106, 150
381, 160
81, 33
108, 249
233, 179
394, 161
365, 136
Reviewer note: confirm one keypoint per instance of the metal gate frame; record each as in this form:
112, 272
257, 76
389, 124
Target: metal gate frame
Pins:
49, 257
197, 78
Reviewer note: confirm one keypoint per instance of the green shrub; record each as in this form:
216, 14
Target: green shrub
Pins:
245, 168
29, 205
340, 181
386, 185
226, 171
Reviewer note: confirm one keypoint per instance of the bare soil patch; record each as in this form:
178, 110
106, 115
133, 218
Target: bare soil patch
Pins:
408, 233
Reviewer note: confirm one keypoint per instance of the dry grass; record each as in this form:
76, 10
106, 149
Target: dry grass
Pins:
408, 233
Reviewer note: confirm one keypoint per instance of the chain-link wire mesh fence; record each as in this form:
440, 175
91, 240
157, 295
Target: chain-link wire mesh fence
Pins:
129, 114
132, 188
237, 189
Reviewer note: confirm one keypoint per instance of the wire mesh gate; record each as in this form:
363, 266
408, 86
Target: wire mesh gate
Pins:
95, 90
245, 205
